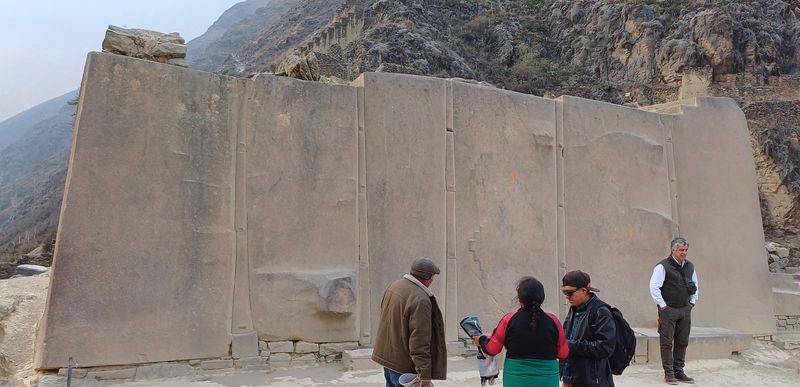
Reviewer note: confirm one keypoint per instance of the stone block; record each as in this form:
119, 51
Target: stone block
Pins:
251, 364
166, 153
497, 171
704, 343
308, 357
305, 199
76, 372
264, 353
216, 364
326, 349
616, 173
641, 347
405, 175
244, 345
279, 357
358, 360
263, 346
281, 346
304, 347
112, 373
704, 199
163, 371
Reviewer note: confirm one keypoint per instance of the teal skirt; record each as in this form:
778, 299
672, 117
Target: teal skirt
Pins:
530, 372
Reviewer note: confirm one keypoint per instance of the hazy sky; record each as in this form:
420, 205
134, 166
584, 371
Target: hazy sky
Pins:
43, 43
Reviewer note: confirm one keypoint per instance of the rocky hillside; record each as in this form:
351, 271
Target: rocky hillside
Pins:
32, 174
233, 30
633, 52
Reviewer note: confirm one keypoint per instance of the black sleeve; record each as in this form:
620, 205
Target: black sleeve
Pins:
604, 336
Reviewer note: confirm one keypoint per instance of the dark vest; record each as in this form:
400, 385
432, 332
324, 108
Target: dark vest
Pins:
678, 286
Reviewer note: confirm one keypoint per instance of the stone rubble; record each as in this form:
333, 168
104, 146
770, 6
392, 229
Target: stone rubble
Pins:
779, 258
146, 44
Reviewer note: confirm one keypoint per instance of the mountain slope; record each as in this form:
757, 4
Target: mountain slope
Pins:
233, 30
13, 128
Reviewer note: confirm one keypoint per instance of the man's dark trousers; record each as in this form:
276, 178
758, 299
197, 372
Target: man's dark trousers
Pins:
674, 325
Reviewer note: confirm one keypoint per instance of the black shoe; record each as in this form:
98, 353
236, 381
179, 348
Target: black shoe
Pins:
670, 379
681, 377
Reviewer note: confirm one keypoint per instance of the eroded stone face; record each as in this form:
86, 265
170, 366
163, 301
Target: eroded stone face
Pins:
203, 211
146, 44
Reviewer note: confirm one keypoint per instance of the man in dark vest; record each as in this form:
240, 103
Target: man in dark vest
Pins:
674, 289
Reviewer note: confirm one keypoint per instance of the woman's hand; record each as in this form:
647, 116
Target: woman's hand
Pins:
477, 341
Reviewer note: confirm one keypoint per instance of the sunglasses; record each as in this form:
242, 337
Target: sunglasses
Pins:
569, 293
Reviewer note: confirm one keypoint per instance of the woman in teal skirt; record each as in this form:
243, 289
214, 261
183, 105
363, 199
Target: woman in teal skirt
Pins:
534, 340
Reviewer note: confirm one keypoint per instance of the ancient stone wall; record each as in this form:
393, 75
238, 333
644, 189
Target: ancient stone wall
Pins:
207, 216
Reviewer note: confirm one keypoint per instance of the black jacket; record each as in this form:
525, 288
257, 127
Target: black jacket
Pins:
591, 342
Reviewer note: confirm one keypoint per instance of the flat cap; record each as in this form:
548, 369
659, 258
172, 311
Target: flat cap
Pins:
424, 267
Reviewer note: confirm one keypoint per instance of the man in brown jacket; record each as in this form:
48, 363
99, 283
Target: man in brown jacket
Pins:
411, 329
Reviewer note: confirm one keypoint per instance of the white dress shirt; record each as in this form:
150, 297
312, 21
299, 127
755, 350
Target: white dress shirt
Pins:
657, 280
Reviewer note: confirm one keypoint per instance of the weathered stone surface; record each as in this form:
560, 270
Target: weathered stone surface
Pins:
333, 348
405, 158
216, 364
281, 346
782, 252
309, 357
280, 357
616, 193
504, 150
76, 372
712, 132
146, 44
304, 347
358, 360
251, 363
163, 371
244, 345
112, 373
301, 201
163, 291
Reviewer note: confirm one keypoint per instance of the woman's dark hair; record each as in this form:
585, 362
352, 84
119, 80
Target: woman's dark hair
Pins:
530, 293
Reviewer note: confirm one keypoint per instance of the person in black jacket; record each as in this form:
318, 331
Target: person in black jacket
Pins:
591, 334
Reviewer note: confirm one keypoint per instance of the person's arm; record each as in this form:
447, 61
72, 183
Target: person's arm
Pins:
603, 339
656, 282
563, 347
419, 340
493, 345
693, 298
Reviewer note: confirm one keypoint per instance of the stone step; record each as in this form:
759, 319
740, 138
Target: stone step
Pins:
704, 343
358, 360
787, 340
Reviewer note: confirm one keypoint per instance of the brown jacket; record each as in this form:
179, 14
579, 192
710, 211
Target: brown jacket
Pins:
411, 332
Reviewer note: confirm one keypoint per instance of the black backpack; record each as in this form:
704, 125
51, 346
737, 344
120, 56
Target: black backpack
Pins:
625, 342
